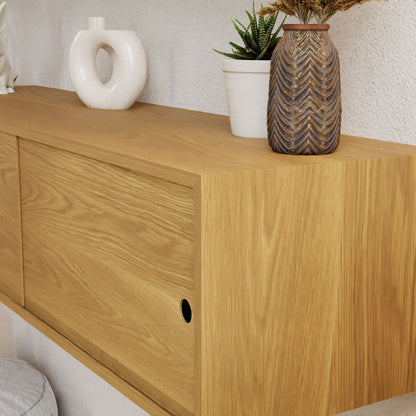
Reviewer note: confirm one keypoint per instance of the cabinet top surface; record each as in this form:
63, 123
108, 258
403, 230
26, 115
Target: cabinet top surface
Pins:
182, 141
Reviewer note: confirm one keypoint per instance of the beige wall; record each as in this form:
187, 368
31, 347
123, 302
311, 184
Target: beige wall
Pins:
377, 46
376, 43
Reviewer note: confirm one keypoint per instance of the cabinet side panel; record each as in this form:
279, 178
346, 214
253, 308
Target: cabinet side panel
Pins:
375, 341
10, 231
271, 247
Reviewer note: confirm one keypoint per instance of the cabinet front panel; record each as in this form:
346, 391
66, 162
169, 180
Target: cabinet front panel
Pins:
10, 235
108, 258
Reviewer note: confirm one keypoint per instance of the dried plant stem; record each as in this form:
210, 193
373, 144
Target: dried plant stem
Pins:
305, 10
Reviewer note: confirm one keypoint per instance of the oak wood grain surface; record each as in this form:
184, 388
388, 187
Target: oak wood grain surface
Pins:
308, 288
270, 263
176, 144
374, 344
300, 270
10, 232
110, 377
108, 259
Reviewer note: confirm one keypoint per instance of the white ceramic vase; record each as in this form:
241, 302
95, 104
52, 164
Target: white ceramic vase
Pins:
247, 85
129, 66
6, 73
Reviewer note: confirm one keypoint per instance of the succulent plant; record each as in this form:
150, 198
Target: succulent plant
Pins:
258, 37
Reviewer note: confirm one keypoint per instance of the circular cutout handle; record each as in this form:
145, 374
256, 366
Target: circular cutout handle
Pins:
186, 311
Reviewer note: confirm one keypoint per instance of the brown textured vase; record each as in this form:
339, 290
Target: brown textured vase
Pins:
304, 109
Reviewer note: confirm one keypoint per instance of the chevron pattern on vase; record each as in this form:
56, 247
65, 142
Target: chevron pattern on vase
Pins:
304, 109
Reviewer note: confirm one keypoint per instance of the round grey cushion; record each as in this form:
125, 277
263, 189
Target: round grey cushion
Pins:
24, 391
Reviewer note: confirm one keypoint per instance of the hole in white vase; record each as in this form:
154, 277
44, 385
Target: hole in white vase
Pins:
104, 65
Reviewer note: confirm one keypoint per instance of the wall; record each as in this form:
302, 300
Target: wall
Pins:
376, 43
377, 46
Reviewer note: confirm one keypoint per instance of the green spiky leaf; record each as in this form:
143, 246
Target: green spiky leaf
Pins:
239, 31
280, 26
259, 37
228, 55
241, 49
253, 26
262, 31
242, 26
263, 52
274, 42
271, 22
250, 42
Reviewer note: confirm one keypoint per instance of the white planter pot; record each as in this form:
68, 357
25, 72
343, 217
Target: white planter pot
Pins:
247, 85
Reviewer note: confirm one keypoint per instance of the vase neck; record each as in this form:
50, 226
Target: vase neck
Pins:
306, 28
299, 37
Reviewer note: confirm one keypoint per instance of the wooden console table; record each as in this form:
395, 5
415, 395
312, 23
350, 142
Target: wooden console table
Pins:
202, 274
